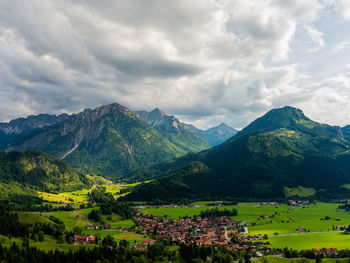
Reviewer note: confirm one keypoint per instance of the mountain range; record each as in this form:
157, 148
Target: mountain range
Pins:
277, 153
175, 131
110, 140
215, 135
21, 128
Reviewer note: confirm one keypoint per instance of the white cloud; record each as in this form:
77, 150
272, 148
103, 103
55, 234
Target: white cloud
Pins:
344, 8
339, 47
202, 60
316, 36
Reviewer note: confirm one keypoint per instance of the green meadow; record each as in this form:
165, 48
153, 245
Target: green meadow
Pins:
272, 259
79, 218
50, 243
314, 240
32, 218
82, 196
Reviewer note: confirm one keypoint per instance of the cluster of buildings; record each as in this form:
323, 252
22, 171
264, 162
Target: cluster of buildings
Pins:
107, 227
203, 231
84, 240
166, 206
326, 252
299, 202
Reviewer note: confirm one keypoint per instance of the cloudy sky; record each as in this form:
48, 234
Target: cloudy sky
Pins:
203, 61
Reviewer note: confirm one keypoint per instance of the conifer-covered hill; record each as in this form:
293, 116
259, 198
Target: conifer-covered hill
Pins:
22, 172
109, 140
281, 149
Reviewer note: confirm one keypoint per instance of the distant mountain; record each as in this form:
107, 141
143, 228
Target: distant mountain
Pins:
109, 140
21, 172
175, 131
294, 119
17, 129
346, 132
274, 155
215, 135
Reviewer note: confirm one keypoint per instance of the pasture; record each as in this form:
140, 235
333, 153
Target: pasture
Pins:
32, 218
272, 259
312, 240
79, 218
50, 243
82, 196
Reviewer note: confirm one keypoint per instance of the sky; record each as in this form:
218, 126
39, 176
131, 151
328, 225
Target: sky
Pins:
204, 61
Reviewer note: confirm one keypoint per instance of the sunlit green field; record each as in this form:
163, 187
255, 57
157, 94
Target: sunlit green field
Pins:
81, 196
282, 260
272, 259
129, 236
32, 218
79, 218
50, 243
307, 241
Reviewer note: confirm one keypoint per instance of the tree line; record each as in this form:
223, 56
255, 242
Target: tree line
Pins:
218, 213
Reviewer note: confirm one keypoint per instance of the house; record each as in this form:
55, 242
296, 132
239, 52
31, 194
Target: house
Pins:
149, 242
301, 228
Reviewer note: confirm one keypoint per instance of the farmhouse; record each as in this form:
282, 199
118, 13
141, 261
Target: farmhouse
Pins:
84, 240
301, 228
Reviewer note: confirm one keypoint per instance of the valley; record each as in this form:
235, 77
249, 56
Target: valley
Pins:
110, 178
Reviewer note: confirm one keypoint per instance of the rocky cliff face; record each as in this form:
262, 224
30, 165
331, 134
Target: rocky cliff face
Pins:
175, 131
17, 129
108, 140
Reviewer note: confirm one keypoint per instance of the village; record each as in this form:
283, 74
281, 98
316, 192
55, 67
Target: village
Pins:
202, 231
220, 231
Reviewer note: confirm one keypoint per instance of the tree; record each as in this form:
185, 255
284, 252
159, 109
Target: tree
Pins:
60, 239
41, 236
95, 215
77, 230
109, 241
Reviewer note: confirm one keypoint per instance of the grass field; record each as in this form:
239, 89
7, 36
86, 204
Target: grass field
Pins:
32, 218
272, 259
307, 241
50, 243
131, 237
81, 196
79, 218
285, 221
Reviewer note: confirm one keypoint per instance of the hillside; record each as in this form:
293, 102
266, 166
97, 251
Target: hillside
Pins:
283, 148
175, 131
20, 128
215, 135
108, 140
21, 172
